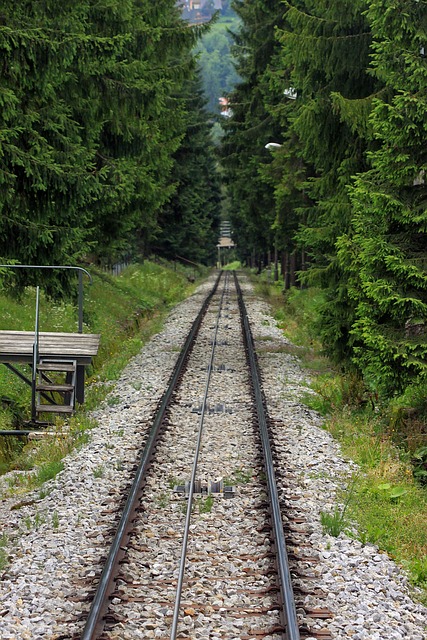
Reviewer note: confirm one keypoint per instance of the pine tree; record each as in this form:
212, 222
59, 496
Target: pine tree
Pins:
251, 127
45, 169
324, 60
384, 254
90, 122
189, 222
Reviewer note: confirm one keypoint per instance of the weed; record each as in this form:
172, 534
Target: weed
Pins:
99, 471
49, 470
43, 493
333, 523
137, 385
418, 571
34, 523
240, 476
55, 520
205, 504
391, 492
374, 534
337, 522
163, 500
113, 401
172, 482
3, 553
419, 461
184, 507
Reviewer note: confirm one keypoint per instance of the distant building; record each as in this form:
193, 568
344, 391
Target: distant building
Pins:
224, 108
199, 10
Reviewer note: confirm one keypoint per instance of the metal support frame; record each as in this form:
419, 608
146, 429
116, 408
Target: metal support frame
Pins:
80, 373
35, 359
80, 270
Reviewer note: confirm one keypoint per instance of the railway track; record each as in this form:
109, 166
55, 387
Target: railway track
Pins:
58, 538
200, 549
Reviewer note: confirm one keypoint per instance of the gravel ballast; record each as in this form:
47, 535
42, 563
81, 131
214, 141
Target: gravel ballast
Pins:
57, 543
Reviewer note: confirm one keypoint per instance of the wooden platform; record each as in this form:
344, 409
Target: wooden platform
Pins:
17, 346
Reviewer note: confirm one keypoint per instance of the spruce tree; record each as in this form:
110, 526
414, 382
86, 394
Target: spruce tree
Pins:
384, 254
133, 91
46, 182
324, 59
189, 222
251, 127
90, 122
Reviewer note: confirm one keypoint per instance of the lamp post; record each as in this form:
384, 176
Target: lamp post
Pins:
272, 145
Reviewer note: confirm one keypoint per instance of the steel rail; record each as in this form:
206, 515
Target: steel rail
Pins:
287, 612
181, 570
94, 623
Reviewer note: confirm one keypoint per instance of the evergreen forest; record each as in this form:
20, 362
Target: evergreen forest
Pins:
99, 107
106, 152
339, 199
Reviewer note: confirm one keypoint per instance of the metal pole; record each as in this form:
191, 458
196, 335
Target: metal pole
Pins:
35, 359
80, 302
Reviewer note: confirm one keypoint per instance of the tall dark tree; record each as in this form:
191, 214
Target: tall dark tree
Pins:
90, 124
189, 223
46, 171
251, 127
384, 253
133, 101
325, 56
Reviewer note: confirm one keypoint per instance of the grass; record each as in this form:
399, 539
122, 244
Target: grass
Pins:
3, 552
99, 471
205, 504
126, 310
387, 504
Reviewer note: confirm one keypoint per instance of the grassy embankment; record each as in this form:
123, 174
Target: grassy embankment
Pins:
126, 310
386, 500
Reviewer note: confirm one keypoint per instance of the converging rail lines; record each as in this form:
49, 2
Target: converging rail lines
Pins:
200, 549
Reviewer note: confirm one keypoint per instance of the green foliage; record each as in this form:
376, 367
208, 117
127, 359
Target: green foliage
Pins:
205, 504
251, 127
3, 552
383, 255
418, 571
216, 61
324, 57
99, 471
419, 462
337, 392
190, 221
49, 470
341, 85
333, 523
125, 310
90, 121
337, 522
